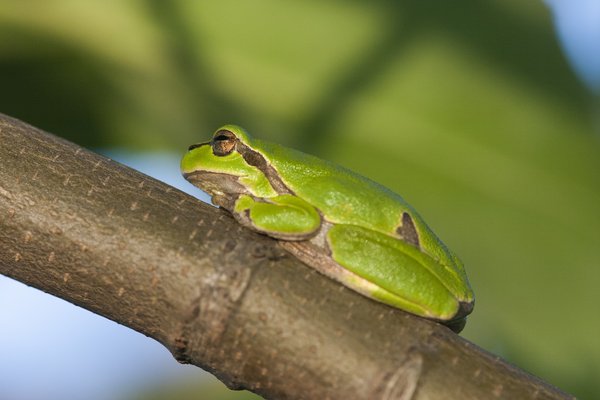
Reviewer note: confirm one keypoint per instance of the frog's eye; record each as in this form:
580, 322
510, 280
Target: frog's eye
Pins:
223, 143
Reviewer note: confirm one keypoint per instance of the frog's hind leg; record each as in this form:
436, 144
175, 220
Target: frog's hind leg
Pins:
380, 267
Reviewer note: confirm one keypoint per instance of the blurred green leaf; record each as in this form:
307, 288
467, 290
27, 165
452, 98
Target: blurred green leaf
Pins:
207, 388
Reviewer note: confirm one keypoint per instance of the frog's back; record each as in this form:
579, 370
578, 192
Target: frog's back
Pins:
345, 197
342, 195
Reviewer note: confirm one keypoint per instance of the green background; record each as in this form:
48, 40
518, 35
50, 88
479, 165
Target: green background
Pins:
468, 109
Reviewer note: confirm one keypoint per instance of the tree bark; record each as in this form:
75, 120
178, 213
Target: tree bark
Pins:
114, 241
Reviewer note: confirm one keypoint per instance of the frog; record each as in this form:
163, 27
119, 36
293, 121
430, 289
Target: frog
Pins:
344, 225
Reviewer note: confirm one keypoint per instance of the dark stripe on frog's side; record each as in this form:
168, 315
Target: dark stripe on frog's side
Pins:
257, 160
408, 231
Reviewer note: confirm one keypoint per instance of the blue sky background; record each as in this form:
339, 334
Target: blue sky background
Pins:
577, 25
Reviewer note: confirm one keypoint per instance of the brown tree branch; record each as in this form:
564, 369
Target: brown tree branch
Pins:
114, 241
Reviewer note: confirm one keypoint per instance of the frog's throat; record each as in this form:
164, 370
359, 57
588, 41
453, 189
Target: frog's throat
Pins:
257, 160
215, 183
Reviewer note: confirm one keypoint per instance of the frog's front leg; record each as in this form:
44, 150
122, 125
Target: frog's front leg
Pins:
285, 217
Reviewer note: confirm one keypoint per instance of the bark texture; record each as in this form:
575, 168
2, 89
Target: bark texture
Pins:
112, 240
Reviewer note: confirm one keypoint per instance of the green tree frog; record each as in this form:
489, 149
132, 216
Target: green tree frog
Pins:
334, 220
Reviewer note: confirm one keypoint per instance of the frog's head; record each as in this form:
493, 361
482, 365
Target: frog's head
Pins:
226, 165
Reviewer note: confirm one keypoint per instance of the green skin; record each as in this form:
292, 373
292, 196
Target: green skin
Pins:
338, 222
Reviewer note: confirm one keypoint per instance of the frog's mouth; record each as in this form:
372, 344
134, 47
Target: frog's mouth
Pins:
215, 183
